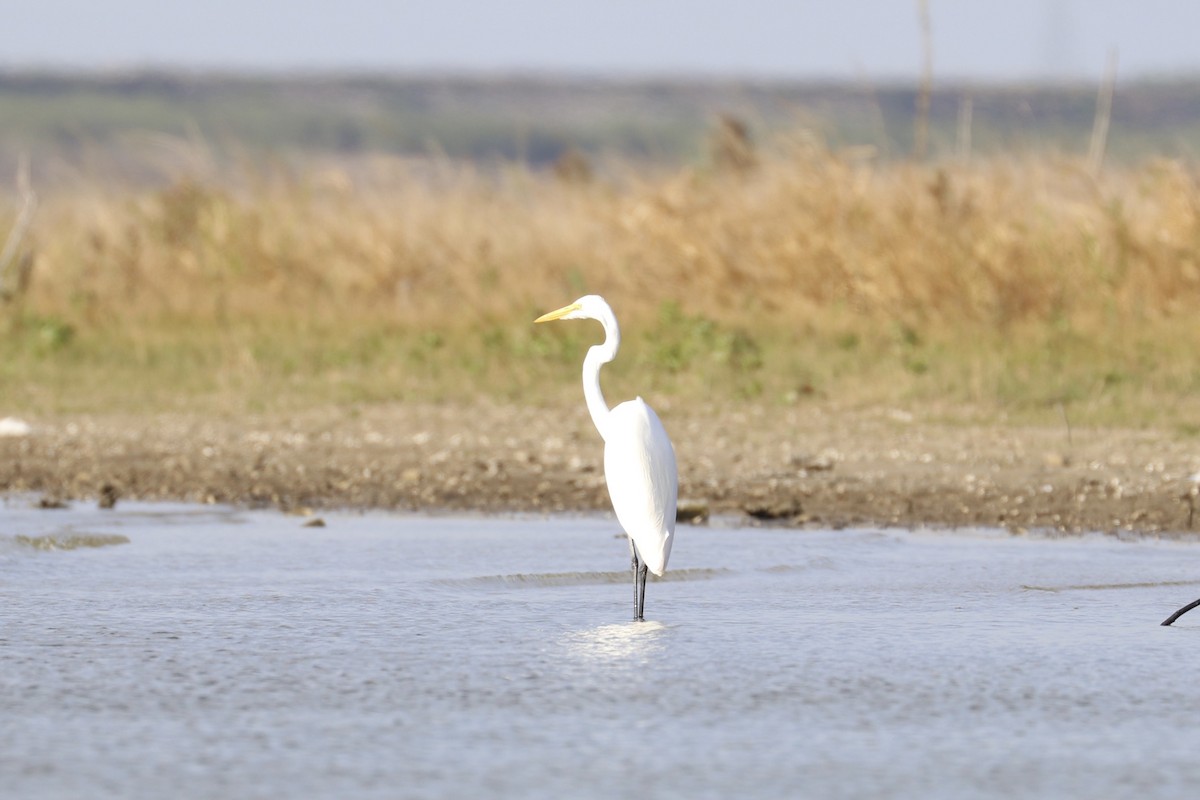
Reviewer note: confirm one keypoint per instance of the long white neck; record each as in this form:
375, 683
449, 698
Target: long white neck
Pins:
596, 357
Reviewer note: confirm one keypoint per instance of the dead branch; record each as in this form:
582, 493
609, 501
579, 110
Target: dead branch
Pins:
1100, 125
15, 263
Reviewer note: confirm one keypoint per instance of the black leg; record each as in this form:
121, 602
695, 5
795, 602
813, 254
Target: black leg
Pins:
1181, 612
643, 570
637, 598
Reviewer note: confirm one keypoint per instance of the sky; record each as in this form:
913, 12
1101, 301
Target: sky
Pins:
982, 40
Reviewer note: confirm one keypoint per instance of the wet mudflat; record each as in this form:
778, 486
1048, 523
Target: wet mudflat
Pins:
220, 652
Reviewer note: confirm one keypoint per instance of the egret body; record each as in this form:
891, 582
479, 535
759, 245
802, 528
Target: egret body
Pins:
639, 461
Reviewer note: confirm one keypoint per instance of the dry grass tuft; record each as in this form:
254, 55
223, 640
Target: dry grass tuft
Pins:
809, 236
836, 247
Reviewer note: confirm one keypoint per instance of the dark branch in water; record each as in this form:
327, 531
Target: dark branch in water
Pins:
1181, 612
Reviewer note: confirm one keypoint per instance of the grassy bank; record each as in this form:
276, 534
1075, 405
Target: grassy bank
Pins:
1021, 285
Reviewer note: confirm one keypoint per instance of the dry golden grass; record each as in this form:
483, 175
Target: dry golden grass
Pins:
809, 235
978, 279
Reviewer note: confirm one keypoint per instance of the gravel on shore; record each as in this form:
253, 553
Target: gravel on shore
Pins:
803, 466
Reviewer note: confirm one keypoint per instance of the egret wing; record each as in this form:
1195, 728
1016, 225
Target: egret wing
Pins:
639, 467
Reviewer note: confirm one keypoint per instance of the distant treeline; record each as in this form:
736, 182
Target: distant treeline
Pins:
537, 119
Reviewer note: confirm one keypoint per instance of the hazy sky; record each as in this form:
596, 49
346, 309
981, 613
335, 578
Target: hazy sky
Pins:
871, 39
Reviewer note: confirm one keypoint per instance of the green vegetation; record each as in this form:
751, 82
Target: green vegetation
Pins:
778, 273
1142, 381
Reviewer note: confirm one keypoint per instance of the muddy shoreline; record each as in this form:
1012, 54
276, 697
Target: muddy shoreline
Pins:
810, 466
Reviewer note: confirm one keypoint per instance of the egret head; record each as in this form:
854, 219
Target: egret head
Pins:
590, 306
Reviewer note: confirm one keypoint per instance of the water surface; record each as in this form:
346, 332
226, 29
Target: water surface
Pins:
222, 653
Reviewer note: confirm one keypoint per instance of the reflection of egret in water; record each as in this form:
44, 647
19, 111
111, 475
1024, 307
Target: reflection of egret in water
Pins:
618, 642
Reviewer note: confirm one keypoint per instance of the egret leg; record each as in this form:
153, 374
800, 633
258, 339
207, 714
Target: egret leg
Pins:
1181, 612
642, 572
637, 598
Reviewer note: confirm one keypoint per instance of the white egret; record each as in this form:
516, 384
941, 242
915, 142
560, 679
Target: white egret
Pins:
639, 461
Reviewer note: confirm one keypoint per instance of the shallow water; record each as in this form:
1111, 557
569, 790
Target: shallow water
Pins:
223, 653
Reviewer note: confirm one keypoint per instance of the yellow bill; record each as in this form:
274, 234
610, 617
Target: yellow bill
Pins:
562, 312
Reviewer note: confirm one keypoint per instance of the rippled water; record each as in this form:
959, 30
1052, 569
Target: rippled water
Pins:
222, 653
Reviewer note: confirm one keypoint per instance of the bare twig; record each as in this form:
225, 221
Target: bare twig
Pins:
14, 268
1181, 612
965, 109
1100, 125
921, 131
1062, 409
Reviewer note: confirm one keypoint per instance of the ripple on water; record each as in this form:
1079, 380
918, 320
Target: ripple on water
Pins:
70, 541
1100, 587
582, 578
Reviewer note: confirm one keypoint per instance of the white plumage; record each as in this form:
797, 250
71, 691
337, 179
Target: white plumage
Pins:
639, 467
639, 460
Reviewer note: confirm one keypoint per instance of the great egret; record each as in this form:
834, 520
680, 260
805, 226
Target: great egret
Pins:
639, 461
